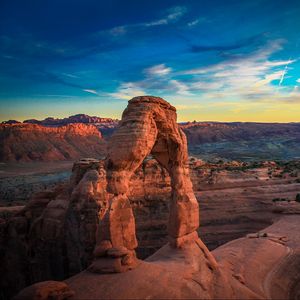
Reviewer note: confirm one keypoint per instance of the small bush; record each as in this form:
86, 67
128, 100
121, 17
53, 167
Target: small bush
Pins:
298, 197
279, 199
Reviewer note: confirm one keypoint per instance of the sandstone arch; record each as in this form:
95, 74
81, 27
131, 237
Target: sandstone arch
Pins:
148, 126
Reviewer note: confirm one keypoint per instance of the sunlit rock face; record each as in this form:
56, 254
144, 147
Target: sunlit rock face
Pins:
148, 126
61, 238
32, 142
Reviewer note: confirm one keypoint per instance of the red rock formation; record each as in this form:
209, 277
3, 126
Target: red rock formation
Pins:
264, 267
46, 290
210, 132
260, 266
27, 142
234, 202
56, 232
148, 125
79, 118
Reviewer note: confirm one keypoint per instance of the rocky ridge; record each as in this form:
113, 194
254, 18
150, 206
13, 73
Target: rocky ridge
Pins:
213, 140
28, 142
79, 118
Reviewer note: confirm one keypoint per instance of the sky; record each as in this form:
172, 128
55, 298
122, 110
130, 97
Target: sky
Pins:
214, 60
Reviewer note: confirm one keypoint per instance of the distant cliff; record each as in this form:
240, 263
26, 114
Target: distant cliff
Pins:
32, 142
79, 118
243, 141
209, 132
247, 141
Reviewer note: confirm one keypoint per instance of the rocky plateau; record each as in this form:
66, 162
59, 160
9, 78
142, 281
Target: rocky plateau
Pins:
31, 142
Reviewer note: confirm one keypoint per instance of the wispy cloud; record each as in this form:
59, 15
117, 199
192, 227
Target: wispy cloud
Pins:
69, 75
245, 76
158, 70
284, 72
180, 87
118, 31
250, 77
127, 90
193, 23
172, 15
91, 91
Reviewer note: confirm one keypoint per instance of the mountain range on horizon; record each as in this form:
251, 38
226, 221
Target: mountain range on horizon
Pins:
207, 140
87, 119
51, 121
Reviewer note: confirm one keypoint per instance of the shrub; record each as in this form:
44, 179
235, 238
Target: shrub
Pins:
298, 197
279, 199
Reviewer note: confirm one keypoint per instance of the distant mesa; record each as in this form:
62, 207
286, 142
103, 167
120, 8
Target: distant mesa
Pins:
244, 141
54, 139
79, 118
11, 122
21, 142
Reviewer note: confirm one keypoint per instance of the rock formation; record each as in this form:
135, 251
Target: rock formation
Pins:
262, 267
79, 118
31, 142
54, 235
209, 140
148, 126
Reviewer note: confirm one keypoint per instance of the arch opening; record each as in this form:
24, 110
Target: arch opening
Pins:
148, 126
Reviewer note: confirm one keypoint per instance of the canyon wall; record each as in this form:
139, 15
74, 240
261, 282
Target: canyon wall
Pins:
53, 236
208, 140
31, 142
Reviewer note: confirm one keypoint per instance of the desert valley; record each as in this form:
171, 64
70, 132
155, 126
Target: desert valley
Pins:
53, 196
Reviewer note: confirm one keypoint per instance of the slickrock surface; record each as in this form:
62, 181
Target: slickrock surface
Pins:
29, 142
266, 267
45, 291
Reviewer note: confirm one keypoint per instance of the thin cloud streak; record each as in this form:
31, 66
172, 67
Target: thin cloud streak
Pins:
158, 70
91, 91
284, 72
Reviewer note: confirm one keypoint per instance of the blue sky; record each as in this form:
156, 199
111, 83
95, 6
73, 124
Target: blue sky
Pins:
214, 60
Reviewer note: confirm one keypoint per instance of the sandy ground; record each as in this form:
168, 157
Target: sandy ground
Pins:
18, 181
33, 168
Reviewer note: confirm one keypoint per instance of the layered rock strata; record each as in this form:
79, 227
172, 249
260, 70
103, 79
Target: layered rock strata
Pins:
148, 126
32, 142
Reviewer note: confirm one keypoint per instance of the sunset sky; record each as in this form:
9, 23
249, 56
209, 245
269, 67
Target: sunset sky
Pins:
214, 60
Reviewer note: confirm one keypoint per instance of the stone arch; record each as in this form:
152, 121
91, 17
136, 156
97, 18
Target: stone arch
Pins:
148, 126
